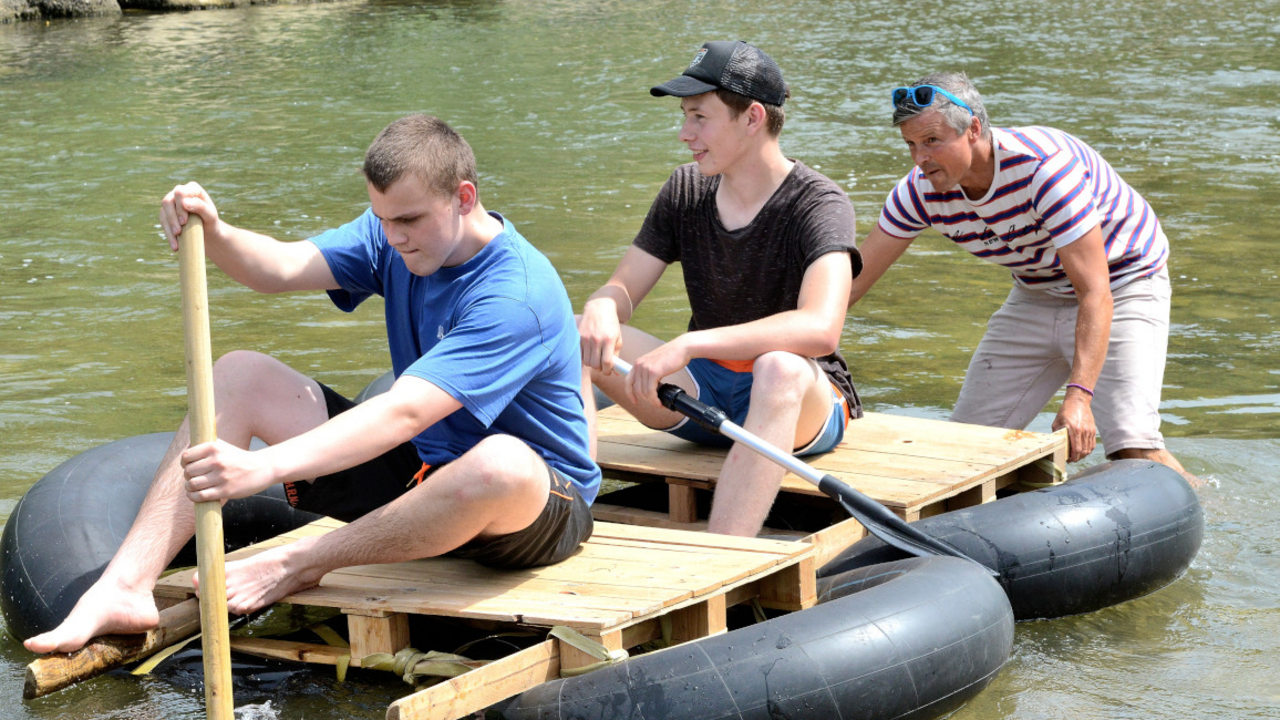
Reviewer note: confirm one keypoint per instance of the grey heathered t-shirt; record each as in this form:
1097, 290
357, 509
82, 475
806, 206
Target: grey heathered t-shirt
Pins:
737, 276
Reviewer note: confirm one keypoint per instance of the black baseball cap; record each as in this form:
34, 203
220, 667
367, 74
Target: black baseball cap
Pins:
733, 65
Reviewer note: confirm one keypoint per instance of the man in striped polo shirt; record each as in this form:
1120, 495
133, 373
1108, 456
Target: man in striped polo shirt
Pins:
1090, 300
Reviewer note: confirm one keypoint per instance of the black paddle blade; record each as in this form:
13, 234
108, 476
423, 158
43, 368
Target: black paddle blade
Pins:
893, 530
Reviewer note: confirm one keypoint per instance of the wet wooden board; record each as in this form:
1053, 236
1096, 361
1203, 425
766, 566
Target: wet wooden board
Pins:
914, 466
625, 586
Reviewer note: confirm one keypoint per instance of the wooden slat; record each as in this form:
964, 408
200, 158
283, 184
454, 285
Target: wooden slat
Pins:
621, 574
482, 687
831, 541
369, 635
905, 463
571, 657
698, 621
792, 589
291, 651
618, 514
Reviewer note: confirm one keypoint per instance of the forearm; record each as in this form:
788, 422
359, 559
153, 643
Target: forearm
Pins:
611, 298
1093, 335
362, 433
796, 331
879, 252
257, 261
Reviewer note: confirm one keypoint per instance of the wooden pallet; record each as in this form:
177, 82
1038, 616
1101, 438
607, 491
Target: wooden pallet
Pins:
624, 584
914, 466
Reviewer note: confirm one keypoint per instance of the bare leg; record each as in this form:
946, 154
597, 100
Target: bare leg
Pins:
120, 601
1159, 455
790, 402
254, 396
497, 488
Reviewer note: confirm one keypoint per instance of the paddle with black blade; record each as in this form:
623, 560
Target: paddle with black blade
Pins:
877, 519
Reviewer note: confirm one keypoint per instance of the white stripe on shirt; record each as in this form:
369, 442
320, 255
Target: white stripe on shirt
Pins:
1049, 189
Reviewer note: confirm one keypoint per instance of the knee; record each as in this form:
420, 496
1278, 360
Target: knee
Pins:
237, 369
498, 467
238, 363
782, 376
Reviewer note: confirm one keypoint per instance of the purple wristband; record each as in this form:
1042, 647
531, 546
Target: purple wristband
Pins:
1081, 387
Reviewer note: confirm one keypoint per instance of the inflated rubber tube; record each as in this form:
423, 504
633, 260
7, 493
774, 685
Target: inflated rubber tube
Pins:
69, 524
910, 639
1115, 532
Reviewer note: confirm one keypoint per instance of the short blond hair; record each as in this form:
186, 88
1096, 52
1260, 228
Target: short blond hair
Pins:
422, 145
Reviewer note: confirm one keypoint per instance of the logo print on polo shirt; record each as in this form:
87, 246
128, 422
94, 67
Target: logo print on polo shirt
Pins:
440, 333
698, 58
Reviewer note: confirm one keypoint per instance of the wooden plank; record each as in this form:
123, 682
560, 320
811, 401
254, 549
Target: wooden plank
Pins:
571, 657
1035, 476
682, 503
678, 537
370, 634
873, 431
984, 493
605, 512
794, 588
831, 541
291, 651
480, 688
698, 621
661, 570
882, 455
619, 514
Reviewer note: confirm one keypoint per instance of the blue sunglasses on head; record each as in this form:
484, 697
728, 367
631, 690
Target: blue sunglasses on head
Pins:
922, 96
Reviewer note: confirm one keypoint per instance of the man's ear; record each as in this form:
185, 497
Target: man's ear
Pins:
975, 129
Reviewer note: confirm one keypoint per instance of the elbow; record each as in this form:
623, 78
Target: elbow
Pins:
268, 284
400, 420
825, 339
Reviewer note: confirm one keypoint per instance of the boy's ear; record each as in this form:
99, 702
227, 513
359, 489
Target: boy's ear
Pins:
757, 117
467, 196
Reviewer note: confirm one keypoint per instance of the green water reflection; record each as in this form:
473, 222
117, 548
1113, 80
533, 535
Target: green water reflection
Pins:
271, 108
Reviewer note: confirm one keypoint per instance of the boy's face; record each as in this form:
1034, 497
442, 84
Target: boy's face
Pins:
424, 226
716, 138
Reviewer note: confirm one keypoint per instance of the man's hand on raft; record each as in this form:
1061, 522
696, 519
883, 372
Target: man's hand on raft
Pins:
1076, 416
221, 471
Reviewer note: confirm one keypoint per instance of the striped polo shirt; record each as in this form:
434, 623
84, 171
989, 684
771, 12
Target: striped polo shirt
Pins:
1050, 188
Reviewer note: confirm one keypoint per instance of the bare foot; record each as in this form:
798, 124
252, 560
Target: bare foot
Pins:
104, 609
265, 578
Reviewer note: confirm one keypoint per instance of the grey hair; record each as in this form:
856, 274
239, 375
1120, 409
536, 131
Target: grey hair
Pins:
956, 83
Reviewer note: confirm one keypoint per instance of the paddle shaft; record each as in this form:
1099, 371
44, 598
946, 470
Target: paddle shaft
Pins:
214, 625
877, 519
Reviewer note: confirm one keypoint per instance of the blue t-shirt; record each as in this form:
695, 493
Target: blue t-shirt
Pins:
496, 332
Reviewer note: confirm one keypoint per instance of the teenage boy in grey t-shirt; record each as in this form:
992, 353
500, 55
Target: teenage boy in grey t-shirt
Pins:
767, 249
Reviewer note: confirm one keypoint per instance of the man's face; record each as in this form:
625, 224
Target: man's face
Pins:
716, 139
941, 153
424, 226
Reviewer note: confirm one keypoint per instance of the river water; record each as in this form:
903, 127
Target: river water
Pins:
271, 108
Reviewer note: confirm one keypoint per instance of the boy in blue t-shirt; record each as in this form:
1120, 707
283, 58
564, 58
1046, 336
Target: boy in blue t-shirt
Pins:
478, 450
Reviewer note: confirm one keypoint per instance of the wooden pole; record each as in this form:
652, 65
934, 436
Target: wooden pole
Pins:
53, 672
215, 638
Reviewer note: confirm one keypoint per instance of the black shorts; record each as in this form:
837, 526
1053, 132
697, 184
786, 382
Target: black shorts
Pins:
564, 524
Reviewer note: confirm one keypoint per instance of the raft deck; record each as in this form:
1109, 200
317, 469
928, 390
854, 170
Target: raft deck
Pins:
916, 467
643, 573
627, 585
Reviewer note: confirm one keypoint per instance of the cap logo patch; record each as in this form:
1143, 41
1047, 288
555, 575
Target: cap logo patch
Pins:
698, 58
